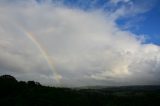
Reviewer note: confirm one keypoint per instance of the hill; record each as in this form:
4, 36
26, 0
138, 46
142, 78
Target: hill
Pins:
19, 93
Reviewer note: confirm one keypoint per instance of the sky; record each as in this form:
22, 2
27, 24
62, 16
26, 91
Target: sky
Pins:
81, 42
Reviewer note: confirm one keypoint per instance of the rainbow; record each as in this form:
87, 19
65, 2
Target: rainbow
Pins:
45, 54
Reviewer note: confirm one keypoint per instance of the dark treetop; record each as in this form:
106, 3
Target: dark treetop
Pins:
20, 93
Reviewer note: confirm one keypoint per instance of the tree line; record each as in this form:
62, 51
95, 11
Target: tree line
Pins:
31, 93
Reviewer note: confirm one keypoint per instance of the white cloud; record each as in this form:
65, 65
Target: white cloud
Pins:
87, 47
117, 1
130, 8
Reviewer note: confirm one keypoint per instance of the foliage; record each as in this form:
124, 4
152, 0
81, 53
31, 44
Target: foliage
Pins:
14, 93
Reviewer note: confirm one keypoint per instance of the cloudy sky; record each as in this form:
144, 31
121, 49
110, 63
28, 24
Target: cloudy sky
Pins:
81, 42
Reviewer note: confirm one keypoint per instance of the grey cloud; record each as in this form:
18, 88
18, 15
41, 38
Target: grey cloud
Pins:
87, 47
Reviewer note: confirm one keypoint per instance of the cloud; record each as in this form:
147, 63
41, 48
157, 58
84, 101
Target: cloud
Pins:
117, 1
87, 47
130, 8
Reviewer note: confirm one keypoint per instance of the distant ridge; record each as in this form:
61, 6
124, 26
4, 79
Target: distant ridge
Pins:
30, 93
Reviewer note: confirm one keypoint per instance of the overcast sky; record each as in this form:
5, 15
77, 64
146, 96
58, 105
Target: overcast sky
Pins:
81, 42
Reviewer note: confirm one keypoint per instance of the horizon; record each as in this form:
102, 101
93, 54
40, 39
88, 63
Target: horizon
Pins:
10, 77
81, 43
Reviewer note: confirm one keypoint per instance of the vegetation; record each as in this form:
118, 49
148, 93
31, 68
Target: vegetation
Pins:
19, 93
